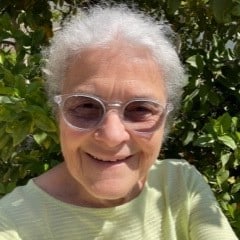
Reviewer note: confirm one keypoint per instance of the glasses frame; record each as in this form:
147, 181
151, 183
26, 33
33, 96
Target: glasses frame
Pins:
61, 98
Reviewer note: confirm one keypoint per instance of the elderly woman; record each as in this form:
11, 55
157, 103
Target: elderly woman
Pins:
116, 80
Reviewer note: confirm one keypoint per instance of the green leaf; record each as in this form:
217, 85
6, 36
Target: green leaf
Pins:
6, 114
4, 140
20, 130
235, 188
222, 176
226, 196
40, 137
223, 124
41, 119
209, 127
8, 91
10, 187
7, 151
228, 141
237, 49
8, 77
188, 138
236, 11
173, 5
45, 123
5, 99
204, 93
199, 62
231, 209
54, 136
225, 158
222, 10
20, 84
196, 61
2, 130
192, 61
238, 135
1, 58
204, 141
213, 98
234, 123
2, 188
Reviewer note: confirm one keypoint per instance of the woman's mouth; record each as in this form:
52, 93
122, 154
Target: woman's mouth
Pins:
113, 159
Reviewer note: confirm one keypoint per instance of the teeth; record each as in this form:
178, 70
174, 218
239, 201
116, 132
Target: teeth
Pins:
107, 160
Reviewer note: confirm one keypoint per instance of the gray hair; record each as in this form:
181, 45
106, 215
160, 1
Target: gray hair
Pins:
98, 27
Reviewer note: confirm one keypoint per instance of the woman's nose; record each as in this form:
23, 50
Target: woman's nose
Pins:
112, 131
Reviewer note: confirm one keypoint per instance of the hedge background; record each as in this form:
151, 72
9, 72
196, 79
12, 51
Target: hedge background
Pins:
207, 130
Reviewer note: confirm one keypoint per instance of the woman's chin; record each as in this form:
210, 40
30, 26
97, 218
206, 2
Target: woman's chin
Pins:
109, 193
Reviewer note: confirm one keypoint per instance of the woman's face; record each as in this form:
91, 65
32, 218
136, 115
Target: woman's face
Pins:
110, 164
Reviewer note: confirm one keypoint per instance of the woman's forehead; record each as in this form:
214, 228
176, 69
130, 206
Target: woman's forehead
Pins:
112, 50
118, 56
129, 68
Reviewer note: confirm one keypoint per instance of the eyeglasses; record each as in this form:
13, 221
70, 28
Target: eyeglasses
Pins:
87, 112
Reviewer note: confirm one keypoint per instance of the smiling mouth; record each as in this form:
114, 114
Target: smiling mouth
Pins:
108, 160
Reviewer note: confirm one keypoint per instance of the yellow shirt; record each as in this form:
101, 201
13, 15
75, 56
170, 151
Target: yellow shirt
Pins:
176, 204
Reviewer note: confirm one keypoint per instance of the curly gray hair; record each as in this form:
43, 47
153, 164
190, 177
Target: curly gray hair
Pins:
98, 27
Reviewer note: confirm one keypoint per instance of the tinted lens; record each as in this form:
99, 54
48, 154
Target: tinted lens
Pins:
83, 112
143, 115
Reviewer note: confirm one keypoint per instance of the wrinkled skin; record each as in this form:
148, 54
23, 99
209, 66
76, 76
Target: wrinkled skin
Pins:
109, 165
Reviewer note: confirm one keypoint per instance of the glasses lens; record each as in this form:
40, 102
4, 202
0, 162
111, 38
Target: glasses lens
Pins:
143, 115
83, 112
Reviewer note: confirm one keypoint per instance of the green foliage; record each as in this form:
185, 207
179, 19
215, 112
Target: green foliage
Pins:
28, 133
208, 128
207, 131
222, 135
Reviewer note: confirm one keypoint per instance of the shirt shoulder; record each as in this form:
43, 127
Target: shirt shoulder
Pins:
16, 197
171, 170
187, 195
20, 210
180, 182
12, 209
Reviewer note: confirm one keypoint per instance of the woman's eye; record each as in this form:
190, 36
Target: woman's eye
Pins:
136, 112
141, 110
84, 108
